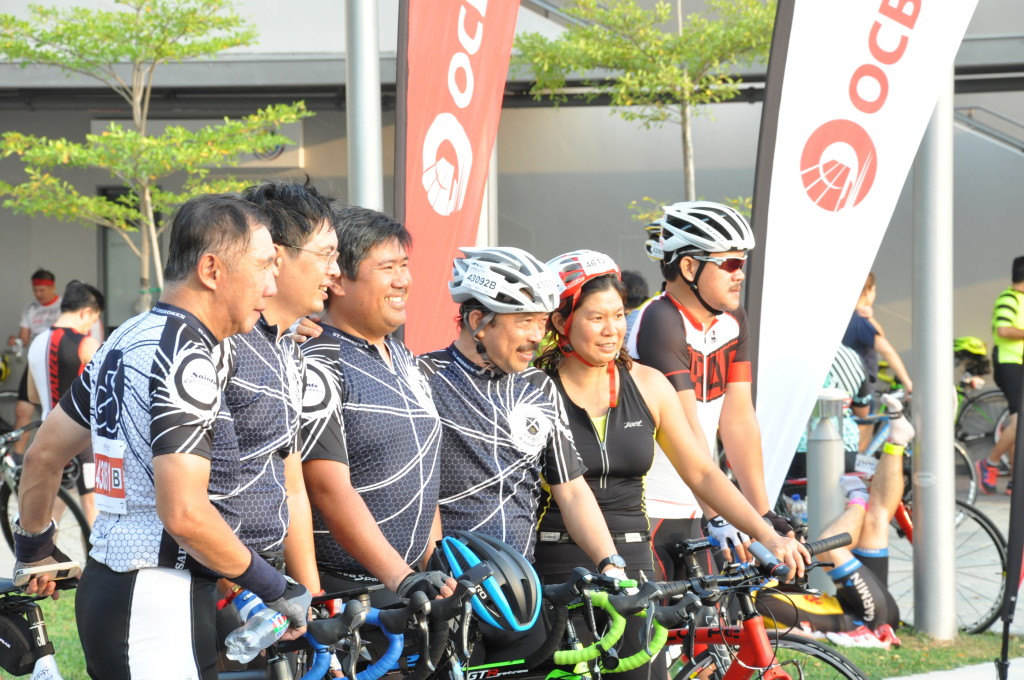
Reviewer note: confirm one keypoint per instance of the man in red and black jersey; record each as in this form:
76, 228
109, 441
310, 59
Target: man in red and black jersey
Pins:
57, 356
695, 333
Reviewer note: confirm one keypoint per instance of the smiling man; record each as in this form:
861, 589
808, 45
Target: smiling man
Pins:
695, 333
149, 400
370, 429
256, 477
504, 425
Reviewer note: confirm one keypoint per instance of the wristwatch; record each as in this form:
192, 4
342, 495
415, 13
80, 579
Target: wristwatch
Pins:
612, 561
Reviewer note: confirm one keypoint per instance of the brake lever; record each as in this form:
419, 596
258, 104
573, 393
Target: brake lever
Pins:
420, 616
648, 628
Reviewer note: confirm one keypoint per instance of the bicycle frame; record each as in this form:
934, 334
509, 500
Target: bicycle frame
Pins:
755, 648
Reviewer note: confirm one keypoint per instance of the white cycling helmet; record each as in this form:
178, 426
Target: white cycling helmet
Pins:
504, 280
702, 226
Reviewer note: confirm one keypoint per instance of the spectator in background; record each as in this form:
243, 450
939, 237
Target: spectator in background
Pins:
1008, 371
865, 336
636, 293
37, 317
57, 356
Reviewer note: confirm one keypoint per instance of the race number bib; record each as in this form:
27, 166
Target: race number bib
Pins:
865, 464
109, 490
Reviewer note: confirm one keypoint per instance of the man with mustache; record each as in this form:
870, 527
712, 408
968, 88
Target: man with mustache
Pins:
504, 425
695, 333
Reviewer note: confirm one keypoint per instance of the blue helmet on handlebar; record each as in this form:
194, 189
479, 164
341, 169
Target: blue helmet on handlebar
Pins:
510, 598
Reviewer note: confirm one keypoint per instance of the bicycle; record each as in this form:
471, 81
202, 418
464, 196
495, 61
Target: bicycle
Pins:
72, 535
979, 411
733, 651
23, 630
964, 471
979, 559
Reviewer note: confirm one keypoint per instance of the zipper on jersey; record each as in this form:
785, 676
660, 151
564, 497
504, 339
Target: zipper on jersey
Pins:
603, 479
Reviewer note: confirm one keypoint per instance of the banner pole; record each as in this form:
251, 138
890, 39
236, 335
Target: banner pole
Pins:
362, 105
1015, 549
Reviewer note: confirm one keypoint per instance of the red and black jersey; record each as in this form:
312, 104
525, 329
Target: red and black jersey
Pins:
53, 359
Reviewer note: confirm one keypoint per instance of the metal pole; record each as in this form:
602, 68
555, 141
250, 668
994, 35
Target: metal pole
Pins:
487, 226
934, 490
825, 465
362, 105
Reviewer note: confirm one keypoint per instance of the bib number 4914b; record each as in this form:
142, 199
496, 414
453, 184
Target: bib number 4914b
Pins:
109, 490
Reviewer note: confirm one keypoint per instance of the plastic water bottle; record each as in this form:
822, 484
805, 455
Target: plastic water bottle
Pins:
798, 507
263, 627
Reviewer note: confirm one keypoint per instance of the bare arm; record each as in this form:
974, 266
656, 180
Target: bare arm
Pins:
1010, 333
33, 390
885, 348
435, 536
741, 438
87, 348
351, 522
299, 554
583, 518
58, 440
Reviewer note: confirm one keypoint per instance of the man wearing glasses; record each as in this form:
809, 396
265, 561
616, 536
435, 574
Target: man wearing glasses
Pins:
256, 472
695, 333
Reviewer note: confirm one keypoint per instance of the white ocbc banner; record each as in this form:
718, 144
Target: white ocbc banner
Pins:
848, 98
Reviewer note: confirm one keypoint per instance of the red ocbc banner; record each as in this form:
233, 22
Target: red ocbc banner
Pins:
452, 63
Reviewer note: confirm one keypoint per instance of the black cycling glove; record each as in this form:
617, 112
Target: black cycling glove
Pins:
430, 582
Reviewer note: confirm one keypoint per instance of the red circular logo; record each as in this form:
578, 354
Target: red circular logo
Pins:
838, 165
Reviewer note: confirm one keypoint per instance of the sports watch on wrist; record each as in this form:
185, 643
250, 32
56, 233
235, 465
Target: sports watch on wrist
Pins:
612, 561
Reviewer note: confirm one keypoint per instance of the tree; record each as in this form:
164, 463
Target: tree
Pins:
652, 76
121, 48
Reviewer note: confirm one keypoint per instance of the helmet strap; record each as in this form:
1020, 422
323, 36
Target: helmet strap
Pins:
480, 349
696, 291
566, 347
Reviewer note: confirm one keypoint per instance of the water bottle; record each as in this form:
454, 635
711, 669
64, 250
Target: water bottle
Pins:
798, 507
263, 627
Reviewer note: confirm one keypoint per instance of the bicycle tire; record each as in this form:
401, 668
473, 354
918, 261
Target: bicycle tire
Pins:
966, 475
811, 659
979, 414
980, 570
72, 528
1000, 425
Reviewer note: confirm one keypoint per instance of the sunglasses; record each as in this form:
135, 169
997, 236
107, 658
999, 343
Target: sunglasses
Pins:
726, 264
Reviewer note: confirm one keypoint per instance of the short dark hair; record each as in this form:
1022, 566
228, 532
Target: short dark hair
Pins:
43, 274
636, 288
295, 210
209, 223
79, 295
1018, 269
359, 231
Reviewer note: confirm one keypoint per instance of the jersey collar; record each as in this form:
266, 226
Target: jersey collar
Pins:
694, 321
189, 319
486, 372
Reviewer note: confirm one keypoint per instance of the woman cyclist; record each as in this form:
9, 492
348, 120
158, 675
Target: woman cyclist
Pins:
617, 410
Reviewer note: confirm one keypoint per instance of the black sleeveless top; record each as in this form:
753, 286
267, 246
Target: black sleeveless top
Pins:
616, 468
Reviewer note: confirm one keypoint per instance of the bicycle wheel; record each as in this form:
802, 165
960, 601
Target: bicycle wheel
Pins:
979, 565
72, 534
978, 415
798, 656
966, 478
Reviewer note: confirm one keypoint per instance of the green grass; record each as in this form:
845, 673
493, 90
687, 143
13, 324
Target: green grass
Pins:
919, 653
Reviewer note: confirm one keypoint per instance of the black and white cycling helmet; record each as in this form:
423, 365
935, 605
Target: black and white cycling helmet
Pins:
504, 280
511, 596
702, 226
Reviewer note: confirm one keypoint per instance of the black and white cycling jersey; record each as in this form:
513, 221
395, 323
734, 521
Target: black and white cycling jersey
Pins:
153, 388
380, 420
501, 433
257, 428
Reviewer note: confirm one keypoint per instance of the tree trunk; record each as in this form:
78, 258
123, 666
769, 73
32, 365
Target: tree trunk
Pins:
689, 174
149, 234
145, 297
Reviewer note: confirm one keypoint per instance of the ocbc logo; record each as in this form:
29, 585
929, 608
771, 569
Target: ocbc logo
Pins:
445, 177
839, 160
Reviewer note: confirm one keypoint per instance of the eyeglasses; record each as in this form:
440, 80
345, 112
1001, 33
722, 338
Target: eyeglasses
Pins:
328, 255
726, 264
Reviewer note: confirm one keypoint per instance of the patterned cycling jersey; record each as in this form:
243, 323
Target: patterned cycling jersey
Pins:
257, 428
1008, 313
501, 432
153, 388
381, 422
54, 363
617, 465
670, 339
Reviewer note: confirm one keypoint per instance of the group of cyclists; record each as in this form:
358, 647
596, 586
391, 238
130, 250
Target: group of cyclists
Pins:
228, 448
